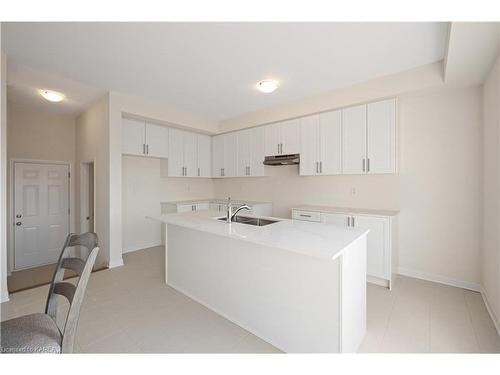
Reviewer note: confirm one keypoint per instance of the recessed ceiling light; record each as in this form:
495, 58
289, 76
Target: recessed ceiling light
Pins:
267, 86
52, 96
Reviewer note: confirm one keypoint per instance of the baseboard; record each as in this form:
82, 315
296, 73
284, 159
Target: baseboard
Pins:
439, 279
493, 316
115, 263
131, 249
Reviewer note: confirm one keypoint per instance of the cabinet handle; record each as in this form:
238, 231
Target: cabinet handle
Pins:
352, 221
249, 170
281, 148
304, 215
198, 171
320, 167
368, 165
147, 149
144, 148
222, 171
278, 148
348, 221
363, 164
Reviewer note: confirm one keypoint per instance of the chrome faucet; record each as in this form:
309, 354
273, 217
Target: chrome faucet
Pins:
230, 214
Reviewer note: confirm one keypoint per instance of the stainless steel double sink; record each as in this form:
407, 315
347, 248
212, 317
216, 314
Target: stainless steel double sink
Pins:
256, 221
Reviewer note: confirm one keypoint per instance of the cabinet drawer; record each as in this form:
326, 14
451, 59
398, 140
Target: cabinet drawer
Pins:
306, 215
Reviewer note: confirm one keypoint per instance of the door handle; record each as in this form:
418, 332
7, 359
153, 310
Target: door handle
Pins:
19, 216
19, 223
87, 218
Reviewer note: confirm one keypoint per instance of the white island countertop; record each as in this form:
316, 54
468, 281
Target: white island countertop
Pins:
325, 241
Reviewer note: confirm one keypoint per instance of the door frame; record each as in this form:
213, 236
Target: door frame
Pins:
10, 218
83, 187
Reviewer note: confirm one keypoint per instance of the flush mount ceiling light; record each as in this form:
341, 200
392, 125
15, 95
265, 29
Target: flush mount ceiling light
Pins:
267, 86
52, 96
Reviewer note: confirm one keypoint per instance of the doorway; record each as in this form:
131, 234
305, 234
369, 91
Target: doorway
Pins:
41, 212
87, 199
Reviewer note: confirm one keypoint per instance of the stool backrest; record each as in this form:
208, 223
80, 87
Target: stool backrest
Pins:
74, 293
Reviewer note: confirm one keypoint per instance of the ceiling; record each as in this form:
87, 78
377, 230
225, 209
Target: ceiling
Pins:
209, 69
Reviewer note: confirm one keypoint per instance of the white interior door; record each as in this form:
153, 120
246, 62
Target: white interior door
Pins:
41, 213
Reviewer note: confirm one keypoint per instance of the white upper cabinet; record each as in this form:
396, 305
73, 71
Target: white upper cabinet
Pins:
258, 142
224, 156
156, 141
273, 139
204, 156
321, 144
190, 154
354, 140
283, 138
145, 139
330, 143
381, 137
250, 152
290, 137
133, 137
230, 158
309, 145
176, 157
243, 138
218, 156
183, 159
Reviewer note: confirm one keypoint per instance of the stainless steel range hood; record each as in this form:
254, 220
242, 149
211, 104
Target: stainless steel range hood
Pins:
291, 159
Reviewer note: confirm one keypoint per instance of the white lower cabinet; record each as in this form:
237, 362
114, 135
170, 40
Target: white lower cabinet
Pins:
381, 243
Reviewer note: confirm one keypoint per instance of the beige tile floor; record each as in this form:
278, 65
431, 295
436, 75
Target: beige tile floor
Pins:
130, 309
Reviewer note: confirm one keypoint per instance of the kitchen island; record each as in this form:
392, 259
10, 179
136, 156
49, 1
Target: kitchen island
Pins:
300, 286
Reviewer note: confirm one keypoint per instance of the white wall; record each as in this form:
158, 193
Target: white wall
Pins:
144, 185
4, 294
490, 257
92, 144
438, 189
38, 135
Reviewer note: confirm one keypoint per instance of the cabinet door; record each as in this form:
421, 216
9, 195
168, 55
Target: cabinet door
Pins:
190, 154
354, 140
330, 143
337, 219
156, 141
176, 153
257, 151
243, 152
133, 136
217, 155
272, 139
230, 149
202, 206
309, 146
184, 208
204, 156
381, 137
378, 246
290, 137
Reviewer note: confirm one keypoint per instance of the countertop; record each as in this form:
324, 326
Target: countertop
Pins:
216, 201
324, 241
346, 210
